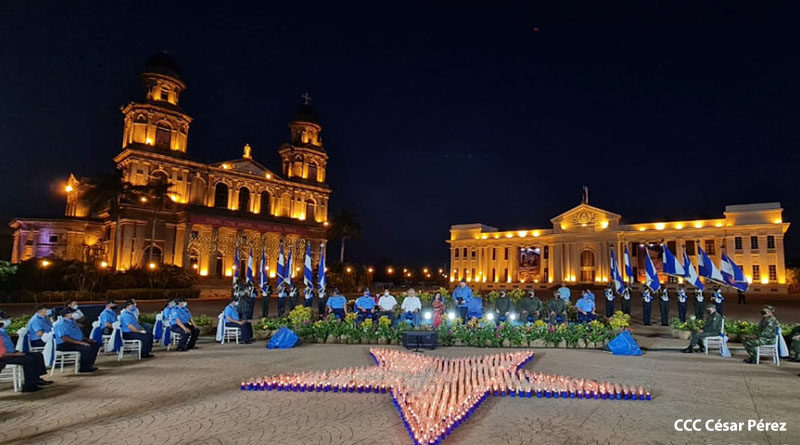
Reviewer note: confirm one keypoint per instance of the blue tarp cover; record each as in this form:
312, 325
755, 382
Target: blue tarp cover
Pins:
283, 339
624, 344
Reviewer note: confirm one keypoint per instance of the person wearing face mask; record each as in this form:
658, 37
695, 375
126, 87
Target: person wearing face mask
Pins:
181, 323
765, 335
167, 311
711, 328
38, 325
231, 317
108, 317
32, 362
73, 304
132, 330
69, 337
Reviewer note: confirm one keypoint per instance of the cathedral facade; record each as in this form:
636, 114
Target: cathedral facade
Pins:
576, 249
210, 207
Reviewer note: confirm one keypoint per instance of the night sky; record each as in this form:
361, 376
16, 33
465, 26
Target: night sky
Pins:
433, 114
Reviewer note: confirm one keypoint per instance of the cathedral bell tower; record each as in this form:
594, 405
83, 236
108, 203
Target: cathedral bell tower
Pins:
303, 158
158, 123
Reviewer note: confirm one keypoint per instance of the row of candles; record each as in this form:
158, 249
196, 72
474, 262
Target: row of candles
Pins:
434, 395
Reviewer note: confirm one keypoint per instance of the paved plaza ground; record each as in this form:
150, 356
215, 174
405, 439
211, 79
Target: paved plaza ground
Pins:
194, 397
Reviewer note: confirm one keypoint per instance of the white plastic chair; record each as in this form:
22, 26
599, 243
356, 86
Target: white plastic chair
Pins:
174, 339
770, 350
60, 358
229, 332
21, 337
127, 345
12, 373
714, 342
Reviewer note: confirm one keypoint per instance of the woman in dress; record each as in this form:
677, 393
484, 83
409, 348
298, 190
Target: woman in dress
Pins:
438, 309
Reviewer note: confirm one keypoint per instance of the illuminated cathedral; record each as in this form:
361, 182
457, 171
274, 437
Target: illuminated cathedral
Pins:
211, 207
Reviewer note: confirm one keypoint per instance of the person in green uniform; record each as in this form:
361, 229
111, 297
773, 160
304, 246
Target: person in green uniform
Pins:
530, 307
767, 329
557, 310
711, 328
503, 307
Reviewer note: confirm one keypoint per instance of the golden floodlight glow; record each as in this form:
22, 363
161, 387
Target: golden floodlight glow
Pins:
496, 235
484, 236
228, 273
45, 263
536, 233
152, 266
441, 270
719, 224
660, 226
509, 235
604, 224
522, 233
349, 269
68, 188
148, 141
203, 272
679, 226
389, 270
326, 224
425, 270
194, 266
749, 279
103, 264
698, 224
268, 176
563, 226
778, 221
370, 270
642, 229
764, 280
143, 199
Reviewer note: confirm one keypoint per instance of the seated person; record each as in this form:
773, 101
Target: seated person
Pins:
557, 311
337, 304
530, 307
108, 317
167, 311
132, 330
387, 304
585, 307
181, 323
38, 325
365, 307
69, 337
73, 304
231, 317
411, 307
475, 308
711, 328
765, 334
32, 362
147, 326
503, 307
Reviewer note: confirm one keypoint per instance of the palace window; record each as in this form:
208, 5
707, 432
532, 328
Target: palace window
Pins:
494, 253
505, 275
737, 243
465, 252
494, 275
756, 272
53, 238
634, 249
506, 253
773, 272
689, 247
221, 196
312, 171
455, 252
753, 243
473, 273
709, 243
455, 274
546, 275
473, 253
164, 94
546, 253
770, 242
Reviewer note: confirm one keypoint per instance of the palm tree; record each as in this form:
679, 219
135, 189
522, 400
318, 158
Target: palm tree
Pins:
107, 192
156, 193
344, 227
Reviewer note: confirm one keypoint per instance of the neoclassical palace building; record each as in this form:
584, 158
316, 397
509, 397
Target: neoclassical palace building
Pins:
210, 206
576, 249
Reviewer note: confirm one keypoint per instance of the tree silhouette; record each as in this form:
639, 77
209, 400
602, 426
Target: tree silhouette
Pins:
344, 227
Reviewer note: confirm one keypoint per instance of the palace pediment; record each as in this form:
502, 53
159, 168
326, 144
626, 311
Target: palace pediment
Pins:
245, 165
583, 217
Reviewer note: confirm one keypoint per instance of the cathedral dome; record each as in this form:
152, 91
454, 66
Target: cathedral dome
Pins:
163, 63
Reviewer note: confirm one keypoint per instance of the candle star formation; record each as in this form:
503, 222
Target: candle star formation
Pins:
434, 395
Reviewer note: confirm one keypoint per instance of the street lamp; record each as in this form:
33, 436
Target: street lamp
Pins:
348, 269
389, 270
152, 266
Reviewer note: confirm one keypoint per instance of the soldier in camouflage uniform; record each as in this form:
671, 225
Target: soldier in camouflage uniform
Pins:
794, 344
557, 308
767, 329
530, 307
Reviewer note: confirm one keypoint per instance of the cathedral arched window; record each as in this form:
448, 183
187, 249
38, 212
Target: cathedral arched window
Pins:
244, 199
155, 258
310, 210
163, 135
312, 171
198, 191
221, 196
265, 203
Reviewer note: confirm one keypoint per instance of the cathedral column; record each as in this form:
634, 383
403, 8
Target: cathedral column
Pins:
212, 254
780, 265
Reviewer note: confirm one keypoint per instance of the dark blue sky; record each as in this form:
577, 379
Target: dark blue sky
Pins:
433, 113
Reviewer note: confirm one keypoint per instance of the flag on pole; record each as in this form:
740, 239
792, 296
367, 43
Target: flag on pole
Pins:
628, 269
691, 276
281, 269
236, 262
289, 270
732, 273
651, 274
671, 264
263, 280
249, 272
308, 274
616, 278
321, 278
706, 267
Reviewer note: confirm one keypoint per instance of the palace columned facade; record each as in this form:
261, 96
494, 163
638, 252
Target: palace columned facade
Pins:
576, 249
210, 206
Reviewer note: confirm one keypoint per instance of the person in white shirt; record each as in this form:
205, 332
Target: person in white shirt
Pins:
411, 307
387, 304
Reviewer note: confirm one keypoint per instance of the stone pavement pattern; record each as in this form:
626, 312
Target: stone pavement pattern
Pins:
194, 398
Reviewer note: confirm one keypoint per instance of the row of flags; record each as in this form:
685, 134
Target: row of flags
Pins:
728, 274
284, 269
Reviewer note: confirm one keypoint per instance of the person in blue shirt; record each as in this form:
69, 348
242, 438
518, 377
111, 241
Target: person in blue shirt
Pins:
231, 317
365, 307
69, 337
39, 325
474, 308
181, 323
563, 292
132, 330
337, 304
462, 295
32, 362
585, 307
108, 317
167, 311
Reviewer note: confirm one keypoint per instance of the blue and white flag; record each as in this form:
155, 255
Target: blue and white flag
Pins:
263, 278
628, 269
650, 272
289, 270
707, 269
308, 274
691, 276
732, 273
616, 278
671, 264
236, 262
249, 273
321, 278
281, 269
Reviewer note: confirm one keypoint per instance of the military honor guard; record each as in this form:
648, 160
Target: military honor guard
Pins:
282, 295
765, 335
69, 337
698, 303
609, 294
308, 296
626, 300
132, 330
231, 317
711, 328
647, 298
530, 307
181, 323
462, 296
682, 302
718, 299
292, 298
663, 306
322, 302
265, 293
